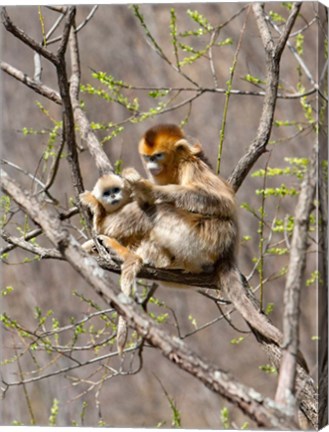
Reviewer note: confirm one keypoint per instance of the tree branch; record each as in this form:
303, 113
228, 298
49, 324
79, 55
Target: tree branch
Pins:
39, 88
37, 250
287, 29
286, 384
68, 119
273, 56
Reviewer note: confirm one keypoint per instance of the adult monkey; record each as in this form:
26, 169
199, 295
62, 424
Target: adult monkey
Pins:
183, 179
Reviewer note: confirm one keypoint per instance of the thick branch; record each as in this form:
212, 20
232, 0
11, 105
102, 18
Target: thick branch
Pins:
256, 406
286, 385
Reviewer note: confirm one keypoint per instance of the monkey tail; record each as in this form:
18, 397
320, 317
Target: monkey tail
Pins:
129, 270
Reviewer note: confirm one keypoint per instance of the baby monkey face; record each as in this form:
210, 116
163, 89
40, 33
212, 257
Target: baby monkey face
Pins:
112, 191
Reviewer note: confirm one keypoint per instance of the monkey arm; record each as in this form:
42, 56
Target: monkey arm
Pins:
193, 198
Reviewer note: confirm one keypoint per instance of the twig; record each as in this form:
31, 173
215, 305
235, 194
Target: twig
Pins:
79, 27
228, 94
261, 238
156, 47
22, 170
59, 9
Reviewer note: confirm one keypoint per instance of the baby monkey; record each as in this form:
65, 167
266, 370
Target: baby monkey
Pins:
121, 225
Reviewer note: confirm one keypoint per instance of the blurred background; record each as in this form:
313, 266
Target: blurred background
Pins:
114, 42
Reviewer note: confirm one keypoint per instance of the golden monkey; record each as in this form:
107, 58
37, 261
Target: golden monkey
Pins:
120, 223
193, 193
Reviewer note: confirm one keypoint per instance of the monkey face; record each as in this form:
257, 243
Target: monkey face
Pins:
112, 192
156, 149
154, 163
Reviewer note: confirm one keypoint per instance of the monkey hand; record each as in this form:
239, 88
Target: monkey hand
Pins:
131, 175
85, 197
88, 200
143, 192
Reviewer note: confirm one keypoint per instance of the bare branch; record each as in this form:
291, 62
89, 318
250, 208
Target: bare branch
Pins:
75, 66
41, 89
79, 27
59, 9
37, 250
95, 148
286, 385
20, 34
264, 31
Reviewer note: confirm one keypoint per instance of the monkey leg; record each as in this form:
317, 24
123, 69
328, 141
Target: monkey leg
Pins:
130, 267
114, 246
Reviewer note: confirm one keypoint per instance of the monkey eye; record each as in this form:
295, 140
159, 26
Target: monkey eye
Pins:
146, 158
116, 190
107, 192
159, 156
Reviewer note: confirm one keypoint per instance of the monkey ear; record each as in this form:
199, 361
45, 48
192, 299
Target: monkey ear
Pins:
182, 145
196, 148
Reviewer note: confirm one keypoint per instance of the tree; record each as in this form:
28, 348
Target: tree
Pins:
49, 228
